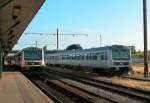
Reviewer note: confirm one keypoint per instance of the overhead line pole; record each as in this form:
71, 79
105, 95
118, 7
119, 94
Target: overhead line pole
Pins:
57, 39
36, 43
145, 38
100, 40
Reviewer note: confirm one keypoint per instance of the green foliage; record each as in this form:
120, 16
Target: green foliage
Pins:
140, 55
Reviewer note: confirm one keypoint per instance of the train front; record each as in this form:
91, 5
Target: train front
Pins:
121, 59
33, 57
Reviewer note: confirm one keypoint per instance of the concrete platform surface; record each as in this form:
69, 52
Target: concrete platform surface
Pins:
16, 88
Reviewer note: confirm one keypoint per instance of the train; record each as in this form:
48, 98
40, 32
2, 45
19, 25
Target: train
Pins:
111, 59
28, 58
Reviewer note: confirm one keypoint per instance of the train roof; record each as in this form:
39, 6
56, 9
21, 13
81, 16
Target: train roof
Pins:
28, 49
122, 47
31, 48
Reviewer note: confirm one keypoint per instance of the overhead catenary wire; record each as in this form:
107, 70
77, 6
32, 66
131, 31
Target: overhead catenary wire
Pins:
57, 34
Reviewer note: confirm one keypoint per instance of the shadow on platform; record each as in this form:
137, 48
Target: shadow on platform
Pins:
10, 68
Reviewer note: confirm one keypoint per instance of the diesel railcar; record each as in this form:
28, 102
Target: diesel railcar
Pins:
109, 58
29, 58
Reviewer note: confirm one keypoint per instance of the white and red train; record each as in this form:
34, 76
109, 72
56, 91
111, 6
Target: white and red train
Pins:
27, 58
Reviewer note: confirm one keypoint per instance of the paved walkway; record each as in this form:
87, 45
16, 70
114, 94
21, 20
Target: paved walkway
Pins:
16, 88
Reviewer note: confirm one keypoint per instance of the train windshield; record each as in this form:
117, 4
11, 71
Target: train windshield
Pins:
120, 54
33, 55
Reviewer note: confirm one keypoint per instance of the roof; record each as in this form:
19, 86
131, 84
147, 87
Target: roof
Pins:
15, 16
31, 48
122, 47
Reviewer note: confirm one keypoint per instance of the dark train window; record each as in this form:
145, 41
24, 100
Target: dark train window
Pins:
82, 57
87, 56
75, 57
78, 57
106, 56
102, 57
72, 57
90, 57
94, 56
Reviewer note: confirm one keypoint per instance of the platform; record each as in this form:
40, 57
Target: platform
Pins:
16, 88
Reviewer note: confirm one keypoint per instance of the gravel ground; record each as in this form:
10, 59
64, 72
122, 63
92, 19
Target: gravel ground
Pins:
139, 68
144, 85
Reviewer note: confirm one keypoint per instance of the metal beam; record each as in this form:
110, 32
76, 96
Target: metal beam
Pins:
4, 3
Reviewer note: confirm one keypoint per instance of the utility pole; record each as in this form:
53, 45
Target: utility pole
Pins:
36, 43
100, 37
57, 39
145, 38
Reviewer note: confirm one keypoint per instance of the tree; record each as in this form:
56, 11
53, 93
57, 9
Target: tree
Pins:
74, 47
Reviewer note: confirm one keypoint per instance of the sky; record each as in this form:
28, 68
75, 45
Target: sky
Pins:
117, 21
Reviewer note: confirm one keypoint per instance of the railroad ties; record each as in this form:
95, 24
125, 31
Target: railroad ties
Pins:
70, 86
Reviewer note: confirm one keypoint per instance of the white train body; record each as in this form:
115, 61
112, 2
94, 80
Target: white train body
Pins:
108, 58
30, 57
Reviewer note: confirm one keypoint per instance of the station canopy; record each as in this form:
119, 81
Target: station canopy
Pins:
15, 16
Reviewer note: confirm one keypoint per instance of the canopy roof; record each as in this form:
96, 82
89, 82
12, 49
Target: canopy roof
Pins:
15, 15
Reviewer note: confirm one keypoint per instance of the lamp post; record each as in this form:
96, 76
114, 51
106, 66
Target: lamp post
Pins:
145, 38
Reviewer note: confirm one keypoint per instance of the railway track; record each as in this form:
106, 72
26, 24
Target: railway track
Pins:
129, 92
136, 78
61, 92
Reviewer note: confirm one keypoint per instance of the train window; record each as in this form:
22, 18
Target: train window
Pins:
94, 56
75, 57
102, 57
87, 57
82, 57
106, 56
67, 57
63, 56
70, 57
90, 56
78, 56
